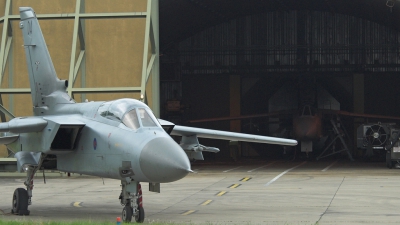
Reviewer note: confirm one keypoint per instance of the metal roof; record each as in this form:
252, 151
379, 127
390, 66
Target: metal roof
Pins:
180, 19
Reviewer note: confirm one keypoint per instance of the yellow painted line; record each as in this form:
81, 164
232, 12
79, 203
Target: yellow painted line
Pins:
246, 179
77, 204
221, 193
234, 185
207, 202
188, 212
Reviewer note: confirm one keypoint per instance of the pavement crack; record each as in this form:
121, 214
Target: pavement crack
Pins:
5, 213
331, 201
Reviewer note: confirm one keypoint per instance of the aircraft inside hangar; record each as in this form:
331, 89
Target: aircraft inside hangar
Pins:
253, 66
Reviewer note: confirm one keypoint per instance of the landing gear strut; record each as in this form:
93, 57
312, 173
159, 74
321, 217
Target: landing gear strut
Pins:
389, 163
21, 197
131, 199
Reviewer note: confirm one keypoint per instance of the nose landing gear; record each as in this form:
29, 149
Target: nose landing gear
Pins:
131, 199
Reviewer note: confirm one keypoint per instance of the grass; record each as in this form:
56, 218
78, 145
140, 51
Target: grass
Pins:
31, 222
24, 221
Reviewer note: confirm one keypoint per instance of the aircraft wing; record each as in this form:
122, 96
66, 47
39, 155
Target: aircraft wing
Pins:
360, 115
9, 131
57, 128
232, 136
190, 143
23, 125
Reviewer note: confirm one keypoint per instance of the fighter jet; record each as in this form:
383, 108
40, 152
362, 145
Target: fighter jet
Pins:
120, 139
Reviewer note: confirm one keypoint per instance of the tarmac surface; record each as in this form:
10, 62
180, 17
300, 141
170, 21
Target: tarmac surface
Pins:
246, 192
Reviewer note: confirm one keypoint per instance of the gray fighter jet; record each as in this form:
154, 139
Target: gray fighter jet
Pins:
119, 139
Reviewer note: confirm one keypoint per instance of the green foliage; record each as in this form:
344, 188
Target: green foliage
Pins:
25, 221
31, 222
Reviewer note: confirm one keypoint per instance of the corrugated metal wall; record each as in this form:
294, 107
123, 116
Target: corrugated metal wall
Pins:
291, 41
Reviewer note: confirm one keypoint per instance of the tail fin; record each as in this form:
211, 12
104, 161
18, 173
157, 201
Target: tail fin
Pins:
46, 89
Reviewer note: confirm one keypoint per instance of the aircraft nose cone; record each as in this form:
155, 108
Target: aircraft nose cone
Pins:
163, 160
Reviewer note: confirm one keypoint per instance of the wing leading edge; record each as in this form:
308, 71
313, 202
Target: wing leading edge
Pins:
232, 136
190, 143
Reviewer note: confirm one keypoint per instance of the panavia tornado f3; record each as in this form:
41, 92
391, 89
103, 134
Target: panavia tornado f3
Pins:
120, 139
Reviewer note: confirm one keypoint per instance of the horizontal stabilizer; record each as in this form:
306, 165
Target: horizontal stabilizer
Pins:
23, 125
232, 136
6, 138
64, 120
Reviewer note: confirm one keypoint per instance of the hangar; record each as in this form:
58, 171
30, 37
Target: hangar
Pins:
232, 58
216, 58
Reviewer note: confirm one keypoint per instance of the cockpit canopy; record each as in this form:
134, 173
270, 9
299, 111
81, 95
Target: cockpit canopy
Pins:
130, 112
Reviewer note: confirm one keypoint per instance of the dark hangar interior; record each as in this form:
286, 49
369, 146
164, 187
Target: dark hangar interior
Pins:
227, 58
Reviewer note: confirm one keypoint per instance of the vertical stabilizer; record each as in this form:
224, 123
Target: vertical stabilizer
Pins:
46, 89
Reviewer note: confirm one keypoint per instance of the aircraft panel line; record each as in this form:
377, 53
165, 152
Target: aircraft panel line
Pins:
328, 167
283, 173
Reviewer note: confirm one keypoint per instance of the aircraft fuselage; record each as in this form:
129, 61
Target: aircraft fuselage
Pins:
107, 148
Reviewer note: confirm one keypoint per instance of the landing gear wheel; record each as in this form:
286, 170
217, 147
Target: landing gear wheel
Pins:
20, 202
127, 214
139, 218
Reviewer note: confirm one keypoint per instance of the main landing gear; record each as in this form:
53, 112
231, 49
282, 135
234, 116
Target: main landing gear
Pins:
22, 197
20, 202
131, 199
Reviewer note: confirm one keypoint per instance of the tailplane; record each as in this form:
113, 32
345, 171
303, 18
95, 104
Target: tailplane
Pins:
46, 89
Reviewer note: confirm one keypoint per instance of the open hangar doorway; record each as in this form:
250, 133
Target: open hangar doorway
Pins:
326, 55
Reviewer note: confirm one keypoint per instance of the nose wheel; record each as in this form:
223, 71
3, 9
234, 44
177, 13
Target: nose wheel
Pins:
127, 213
139, 217
131, 199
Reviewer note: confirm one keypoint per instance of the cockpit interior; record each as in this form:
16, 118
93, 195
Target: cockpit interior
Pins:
129, 112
